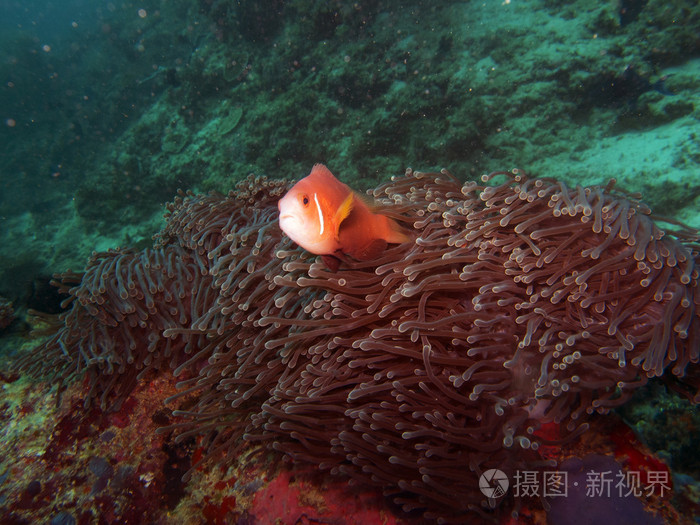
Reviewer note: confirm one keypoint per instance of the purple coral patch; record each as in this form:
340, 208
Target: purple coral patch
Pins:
580, 507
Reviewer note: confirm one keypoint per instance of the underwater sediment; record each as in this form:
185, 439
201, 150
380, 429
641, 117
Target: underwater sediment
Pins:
517, 307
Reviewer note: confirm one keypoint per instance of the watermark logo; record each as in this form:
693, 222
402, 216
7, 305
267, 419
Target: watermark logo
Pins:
493, 483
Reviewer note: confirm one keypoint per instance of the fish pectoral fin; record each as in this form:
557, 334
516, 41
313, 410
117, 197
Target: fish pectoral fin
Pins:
343, 211
371, 250
331, 262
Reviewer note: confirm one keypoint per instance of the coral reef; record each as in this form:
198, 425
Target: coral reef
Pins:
68, 465
518, 306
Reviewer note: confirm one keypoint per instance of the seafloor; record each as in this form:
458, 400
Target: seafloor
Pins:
109, 108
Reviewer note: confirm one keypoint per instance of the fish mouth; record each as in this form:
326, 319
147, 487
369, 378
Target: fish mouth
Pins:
289, 222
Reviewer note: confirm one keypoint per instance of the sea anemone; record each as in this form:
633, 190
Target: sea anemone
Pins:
517, 304
119, 308
117, 312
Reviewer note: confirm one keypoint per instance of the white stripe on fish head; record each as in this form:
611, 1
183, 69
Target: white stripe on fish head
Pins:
320, 213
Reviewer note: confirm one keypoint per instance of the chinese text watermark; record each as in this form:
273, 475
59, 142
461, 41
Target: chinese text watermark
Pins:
605, 484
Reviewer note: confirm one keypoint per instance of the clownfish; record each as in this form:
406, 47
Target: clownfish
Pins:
327, 218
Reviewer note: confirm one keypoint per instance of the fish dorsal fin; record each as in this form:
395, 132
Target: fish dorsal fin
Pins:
322, 171
343, 211
368, 201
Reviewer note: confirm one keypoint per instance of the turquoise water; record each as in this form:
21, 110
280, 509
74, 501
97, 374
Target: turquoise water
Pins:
108, 108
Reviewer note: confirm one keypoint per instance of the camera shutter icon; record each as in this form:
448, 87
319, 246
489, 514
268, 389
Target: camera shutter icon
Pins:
493, 483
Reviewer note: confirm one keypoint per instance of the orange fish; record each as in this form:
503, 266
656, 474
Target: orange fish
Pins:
325, 217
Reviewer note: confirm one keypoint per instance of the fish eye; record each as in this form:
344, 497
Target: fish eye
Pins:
305, 200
